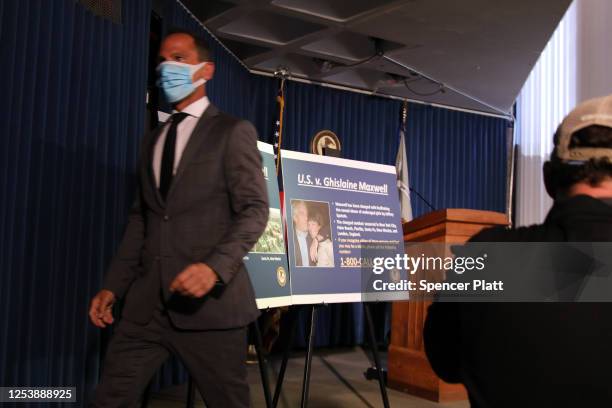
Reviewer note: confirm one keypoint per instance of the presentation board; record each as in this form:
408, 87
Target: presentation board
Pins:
341, 214
356, 207
267, 261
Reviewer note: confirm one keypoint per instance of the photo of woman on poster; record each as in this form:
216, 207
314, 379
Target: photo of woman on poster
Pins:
322, 252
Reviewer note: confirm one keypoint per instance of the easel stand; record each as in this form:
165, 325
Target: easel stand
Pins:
308, 360
263, 368
374, 347
255, 335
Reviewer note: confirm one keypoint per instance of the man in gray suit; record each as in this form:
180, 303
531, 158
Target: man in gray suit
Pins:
200, 207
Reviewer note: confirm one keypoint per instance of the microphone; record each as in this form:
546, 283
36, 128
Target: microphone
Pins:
422, 198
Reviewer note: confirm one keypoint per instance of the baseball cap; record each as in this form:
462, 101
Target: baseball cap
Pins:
597, 111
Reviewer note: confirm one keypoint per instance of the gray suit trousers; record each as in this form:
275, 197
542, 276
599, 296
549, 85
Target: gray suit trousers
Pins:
214, 358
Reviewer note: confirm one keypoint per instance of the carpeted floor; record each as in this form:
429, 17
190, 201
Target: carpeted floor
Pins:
337, 381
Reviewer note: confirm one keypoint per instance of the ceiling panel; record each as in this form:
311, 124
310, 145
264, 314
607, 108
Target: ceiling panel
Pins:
334, 10
472, 54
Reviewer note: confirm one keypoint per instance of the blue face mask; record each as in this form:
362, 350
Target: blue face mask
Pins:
175, 79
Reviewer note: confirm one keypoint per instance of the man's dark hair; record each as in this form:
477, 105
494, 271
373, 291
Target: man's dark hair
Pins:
204, 53
561, 175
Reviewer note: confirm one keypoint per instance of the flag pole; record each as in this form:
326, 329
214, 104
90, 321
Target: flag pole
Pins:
280, 98
401, 168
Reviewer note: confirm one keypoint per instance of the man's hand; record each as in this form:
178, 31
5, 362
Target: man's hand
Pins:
314, 250
101, 308
195, 281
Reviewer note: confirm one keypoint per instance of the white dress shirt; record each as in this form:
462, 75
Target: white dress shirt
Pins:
303, 244
183, 133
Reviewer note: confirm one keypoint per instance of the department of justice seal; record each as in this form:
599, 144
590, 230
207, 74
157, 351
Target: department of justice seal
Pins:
325, 138
281, 276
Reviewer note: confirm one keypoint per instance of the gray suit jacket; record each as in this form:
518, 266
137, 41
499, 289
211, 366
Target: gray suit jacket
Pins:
216, 209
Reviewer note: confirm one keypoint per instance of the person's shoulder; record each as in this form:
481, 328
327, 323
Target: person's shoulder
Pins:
234, 122
149, 135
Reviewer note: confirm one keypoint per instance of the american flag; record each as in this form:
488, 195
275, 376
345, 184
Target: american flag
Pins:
278, 124
401, 167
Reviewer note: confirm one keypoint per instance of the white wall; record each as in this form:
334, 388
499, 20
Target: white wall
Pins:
547, 96
576, 65
594, 48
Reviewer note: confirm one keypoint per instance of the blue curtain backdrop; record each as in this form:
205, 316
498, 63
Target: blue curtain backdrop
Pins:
71, 118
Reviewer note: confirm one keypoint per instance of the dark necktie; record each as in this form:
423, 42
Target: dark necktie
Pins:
167, 164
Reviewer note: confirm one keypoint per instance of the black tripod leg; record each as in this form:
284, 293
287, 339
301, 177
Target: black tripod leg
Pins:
262, 363
146, 397
190, 393
373, 345
281, 375
306, 381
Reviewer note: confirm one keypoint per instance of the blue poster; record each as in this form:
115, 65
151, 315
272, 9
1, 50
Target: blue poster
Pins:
267, 261
341, 214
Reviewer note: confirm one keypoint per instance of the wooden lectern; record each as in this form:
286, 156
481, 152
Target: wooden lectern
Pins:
409, 370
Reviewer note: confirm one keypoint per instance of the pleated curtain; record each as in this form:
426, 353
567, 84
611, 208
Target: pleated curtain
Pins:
71, 121
72, 114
